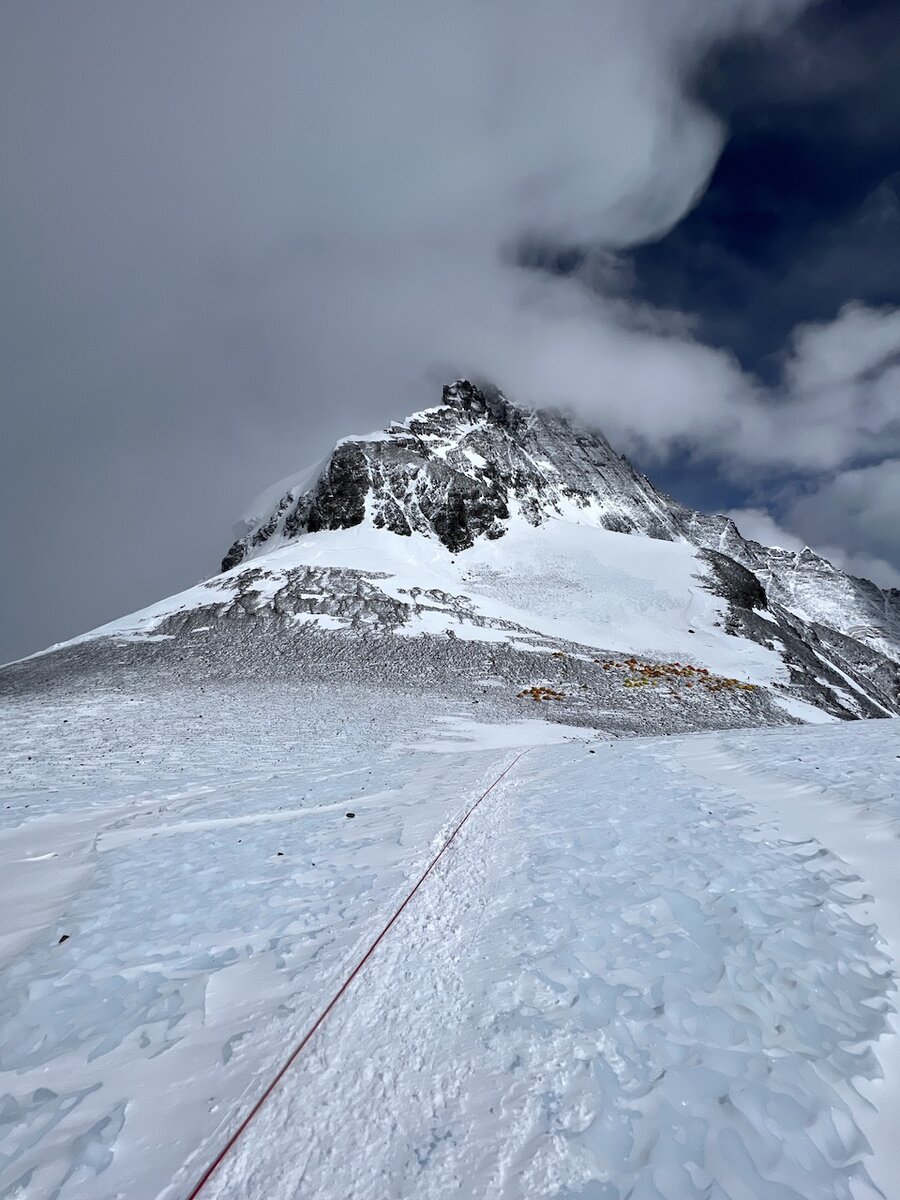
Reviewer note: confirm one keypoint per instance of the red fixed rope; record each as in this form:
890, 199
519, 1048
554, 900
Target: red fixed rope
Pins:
288, 1063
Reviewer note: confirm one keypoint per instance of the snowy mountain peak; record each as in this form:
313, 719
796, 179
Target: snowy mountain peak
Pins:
470, 468
457, 471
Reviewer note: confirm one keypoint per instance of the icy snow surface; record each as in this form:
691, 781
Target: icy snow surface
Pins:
647, 968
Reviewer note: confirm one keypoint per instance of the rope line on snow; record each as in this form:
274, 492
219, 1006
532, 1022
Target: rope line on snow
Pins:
307, 1037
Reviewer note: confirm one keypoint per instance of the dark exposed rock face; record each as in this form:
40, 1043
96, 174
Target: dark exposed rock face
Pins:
734, 582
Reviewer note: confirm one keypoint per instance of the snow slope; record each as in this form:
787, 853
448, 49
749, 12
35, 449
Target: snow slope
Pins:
577, 583
559, 584
646, 968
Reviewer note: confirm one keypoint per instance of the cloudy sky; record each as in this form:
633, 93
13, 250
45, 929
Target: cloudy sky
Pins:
234, 232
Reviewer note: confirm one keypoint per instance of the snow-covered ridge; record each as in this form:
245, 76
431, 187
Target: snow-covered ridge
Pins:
661, 966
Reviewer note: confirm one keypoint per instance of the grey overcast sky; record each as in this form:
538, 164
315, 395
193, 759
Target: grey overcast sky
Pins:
234, 232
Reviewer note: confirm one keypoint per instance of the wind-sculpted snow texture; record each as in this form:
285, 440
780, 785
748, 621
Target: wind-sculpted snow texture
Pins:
623, 981
627, 1042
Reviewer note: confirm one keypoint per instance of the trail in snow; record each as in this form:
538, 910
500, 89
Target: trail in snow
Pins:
617, 990
205, 930
353, 973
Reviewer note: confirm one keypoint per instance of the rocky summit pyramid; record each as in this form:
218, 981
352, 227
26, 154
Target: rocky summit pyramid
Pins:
511, 559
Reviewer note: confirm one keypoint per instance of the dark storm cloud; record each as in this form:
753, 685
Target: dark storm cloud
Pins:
234, 233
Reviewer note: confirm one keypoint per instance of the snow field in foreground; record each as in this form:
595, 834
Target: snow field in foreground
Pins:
633, 975
617, 991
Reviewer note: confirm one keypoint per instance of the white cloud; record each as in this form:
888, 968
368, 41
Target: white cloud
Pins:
838, 402
855, 346
850, 519
865, 566
760, 526
858, 509
326, 190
